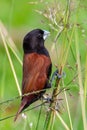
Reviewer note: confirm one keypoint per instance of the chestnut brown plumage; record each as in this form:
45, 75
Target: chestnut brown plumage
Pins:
36, 67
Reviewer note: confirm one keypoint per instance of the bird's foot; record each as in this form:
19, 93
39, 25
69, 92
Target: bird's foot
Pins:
61, 75
46, 98
57, 75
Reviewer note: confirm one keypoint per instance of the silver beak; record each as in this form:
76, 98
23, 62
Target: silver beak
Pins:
46, 34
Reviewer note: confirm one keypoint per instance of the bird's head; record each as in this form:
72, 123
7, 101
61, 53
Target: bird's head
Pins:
34, 40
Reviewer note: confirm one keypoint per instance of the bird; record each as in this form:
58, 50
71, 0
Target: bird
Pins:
37, 68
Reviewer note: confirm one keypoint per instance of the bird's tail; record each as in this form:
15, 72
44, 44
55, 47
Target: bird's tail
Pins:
20, 110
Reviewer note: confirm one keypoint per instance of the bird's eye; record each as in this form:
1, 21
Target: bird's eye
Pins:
39, 36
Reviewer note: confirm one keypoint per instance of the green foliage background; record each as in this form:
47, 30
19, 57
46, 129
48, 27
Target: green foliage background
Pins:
19, 17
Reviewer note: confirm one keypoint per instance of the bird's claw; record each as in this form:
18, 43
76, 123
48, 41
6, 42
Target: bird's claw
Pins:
56, 74
47, 99
61, 75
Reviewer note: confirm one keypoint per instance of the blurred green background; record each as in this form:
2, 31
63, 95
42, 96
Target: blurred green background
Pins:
19, 17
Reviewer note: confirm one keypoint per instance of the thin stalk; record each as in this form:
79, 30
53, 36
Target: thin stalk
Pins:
62, 121
81, 91
51, 113
5, 118
85, 82
68, 48
3, 78
7, 37
39, 118
67, 104
54, 46
10, 42
67, 13
10, 61
20, 96
14, 52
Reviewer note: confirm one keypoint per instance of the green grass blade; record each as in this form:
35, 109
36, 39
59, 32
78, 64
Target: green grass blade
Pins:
62, 121
68, 110
85, 82
81, 89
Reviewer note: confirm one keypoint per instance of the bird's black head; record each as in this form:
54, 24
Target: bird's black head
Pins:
34, 40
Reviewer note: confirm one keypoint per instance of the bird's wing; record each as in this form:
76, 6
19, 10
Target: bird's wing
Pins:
35, 72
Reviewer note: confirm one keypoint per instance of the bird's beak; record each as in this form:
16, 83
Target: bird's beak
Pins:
46, 34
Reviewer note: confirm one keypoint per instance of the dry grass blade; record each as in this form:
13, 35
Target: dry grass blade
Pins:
10, 42
10, 61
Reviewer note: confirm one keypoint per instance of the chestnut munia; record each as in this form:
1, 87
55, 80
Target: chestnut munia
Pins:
36, 67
